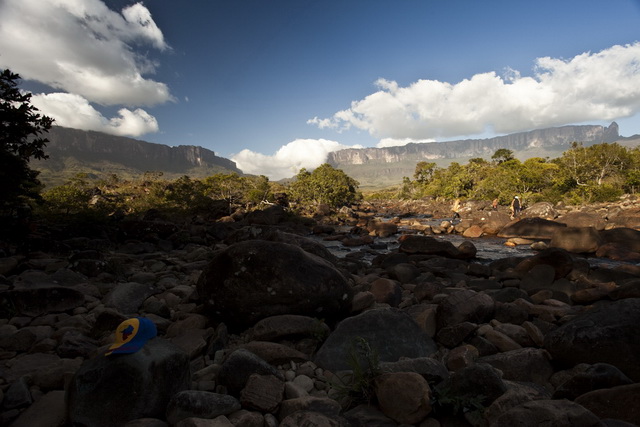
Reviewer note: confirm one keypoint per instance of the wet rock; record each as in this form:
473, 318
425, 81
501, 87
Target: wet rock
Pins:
531, 228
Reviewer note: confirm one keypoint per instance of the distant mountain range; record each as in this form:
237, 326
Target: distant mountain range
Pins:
379, 167
72, 151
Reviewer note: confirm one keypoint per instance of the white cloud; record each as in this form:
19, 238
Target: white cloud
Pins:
74, 111
83, 47
590, 86
289, 159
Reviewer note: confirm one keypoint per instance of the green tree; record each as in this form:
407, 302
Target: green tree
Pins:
424, 172
502, 155
21, 130
325, 185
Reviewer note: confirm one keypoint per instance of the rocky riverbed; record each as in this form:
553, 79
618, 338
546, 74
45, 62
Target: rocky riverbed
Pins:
259, 324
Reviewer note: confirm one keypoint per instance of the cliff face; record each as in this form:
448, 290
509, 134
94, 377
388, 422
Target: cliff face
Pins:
551, 137
92, 147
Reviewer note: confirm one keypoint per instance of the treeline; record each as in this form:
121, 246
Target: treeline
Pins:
597, 173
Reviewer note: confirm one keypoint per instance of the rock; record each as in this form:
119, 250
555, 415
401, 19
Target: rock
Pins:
256, 279
628, 238
608, 333
576, 239
275, 353
43, 299
386, 291
531, 228
262, 392
109, 391
431, 369
557, 413
479, 382
559, 259
403, 396
516, 394
199, 404
540, 210
127, 298
310, 418
413, 244
597, 376
526, 364
582, 219
619, 402
49, 410
322, 405
366, 415
287, 325
382, 228
239, 366
464, 306
389, 332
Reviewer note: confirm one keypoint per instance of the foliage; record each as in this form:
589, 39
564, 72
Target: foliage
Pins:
324, 185
365, 367
600, 172
21, 128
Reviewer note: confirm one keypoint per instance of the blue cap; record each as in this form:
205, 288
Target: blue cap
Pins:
132, 335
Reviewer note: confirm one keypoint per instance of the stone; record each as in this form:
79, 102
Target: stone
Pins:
239, 366
557, 413
367, 415
597, 376
127, 298
111, 390
274, 353
431, 369
526, 364
262, 392
464, 306
607, 333
386, 291
619, 402
389, 332
199, 404
43, 299
287, 325
403, 396
323, 405
49, 410
531, 228
472, 382
255, 279
576, 239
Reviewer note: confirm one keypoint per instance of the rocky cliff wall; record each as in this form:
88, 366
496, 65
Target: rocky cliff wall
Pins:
551, 137
89, 146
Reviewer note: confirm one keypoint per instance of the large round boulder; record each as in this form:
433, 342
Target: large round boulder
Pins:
576, 239
608, 333
540, 210
255, 279
530, 228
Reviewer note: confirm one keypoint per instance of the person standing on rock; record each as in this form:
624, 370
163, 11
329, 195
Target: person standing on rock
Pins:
515, 207
494, 204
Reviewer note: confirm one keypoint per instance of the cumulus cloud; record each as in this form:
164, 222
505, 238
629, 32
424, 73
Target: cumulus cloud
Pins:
74, 111
289, 159
591, 86
83, 47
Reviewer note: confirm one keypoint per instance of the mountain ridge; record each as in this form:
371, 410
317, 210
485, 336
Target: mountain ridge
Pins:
99, 154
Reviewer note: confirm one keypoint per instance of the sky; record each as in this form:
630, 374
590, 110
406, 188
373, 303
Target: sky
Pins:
275, 85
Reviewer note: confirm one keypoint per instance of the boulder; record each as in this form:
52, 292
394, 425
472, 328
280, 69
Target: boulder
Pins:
255, 279
525, 364
557, 413
239, 366
39, 300
427, 245
576, 239
620, 403
403, 396
608, 333
628, 238
598, 376
464, 306
390, 333
530, 228
199, 404
540, 210
582, 219
111, 390
559, 259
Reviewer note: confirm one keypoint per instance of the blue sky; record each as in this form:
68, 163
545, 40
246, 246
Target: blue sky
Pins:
276, 85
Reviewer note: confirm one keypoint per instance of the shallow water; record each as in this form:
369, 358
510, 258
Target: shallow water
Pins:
489, 248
